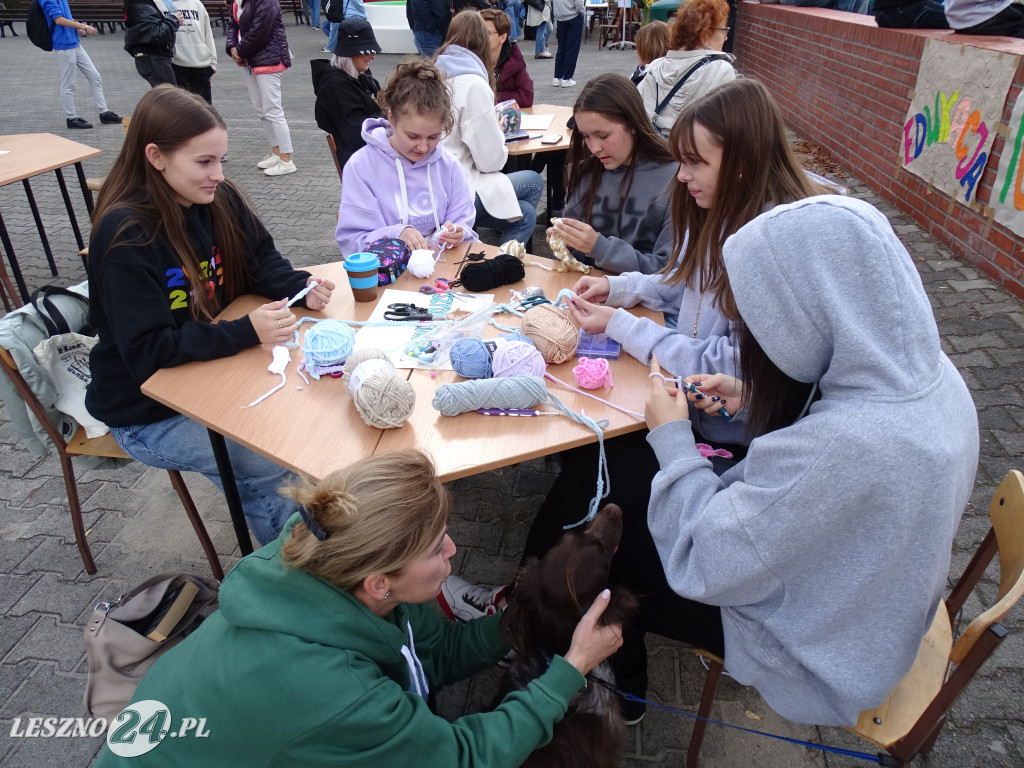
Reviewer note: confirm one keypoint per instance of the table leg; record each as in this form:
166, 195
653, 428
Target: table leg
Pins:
86, 192
5, 238
227, 478
71, 210
39, 226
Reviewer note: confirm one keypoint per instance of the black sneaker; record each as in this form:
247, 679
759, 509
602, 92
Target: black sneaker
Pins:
110, 118
77, 122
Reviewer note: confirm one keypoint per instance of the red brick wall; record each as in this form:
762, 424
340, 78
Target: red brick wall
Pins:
845, 84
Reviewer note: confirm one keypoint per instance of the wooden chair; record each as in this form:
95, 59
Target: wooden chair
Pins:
80, 445
910, 719
96, 183
334, 154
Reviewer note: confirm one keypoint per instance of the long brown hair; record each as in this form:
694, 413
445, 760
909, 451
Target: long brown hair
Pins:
169, 118
758, 169
379, 513
469, 31
615, 98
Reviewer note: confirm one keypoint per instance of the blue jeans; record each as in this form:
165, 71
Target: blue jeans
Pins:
528, 186
514, 9
926, 14
182, 444
427, 43
314, 13
569, 35
543, 35
331, 30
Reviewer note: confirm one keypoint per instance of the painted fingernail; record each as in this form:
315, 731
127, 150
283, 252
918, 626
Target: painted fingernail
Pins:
715, 399
699, 397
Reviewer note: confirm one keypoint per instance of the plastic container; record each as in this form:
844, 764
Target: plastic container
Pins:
362, 271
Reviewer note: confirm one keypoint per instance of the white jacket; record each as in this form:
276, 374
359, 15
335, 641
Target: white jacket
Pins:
664, 73
194, 45
476, 139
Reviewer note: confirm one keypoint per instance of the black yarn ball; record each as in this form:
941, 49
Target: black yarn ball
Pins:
484, 275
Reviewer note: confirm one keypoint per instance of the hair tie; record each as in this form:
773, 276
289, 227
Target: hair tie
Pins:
503, 269
307, 518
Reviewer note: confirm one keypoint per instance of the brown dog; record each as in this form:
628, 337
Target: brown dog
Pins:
550, 597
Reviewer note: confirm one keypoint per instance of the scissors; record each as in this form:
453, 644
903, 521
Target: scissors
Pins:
409, 312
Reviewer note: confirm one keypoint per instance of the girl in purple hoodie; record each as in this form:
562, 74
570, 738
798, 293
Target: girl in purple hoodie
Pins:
404, 183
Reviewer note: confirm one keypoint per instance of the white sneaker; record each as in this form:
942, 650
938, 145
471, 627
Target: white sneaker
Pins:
269, 161
462, 601
568, 83
556, 82
281, 169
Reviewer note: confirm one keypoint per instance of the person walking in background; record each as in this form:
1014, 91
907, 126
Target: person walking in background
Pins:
71, 56
258, 42
428, 20
149, 38
514, 11
195, 50
541, 19
569, 15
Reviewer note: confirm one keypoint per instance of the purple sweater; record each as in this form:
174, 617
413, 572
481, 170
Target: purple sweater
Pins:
372, 201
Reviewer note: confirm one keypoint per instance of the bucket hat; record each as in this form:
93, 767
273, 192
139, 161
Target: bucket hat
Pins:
355, 38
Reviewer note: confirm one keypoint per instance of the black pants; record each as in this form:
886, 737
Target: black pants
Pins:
923, 14
637, 567
155, 69
1009, 22
195, 80
555, 161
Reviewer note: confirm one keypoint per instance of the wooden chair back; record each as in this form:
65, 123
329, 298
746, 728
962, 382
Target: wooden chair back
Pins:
334, 154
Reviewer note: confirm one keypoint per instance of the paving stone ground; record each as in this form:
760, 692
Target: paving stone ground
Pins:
136, 527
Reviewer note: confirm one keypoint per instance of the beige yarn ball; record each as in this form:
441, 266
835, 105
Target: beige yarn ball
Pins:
554, 332
384, 400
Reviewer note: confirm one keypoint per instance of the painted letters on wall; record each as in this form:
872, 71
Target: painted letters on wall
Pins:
958, 101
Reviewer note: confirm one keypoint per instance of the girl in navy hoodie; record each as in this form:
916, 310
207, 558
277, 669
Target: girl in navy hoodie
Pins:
172, 245
404, 183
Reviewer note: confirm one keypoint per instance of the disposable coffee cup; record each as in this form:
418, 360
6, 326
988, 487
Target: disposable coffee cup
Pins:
362, 275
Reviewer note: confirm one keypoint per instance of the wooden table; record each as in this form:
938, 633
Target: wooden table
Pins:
561, 117
31, 154
316, 430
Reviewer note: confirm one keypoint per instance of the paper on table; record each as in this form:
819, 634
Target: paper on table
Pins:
394, 339
536, 122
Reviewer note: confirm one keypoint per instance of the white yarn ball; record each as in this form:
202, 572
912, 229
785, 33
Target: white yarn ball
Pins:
421, 263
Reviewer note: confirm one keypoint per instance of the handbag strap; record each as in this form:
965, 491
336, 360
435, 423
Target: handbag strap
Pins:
49, 314
683, 79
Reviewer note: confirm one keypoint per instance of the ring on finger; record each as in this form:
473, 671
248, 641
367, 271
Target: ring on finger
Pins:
279, 324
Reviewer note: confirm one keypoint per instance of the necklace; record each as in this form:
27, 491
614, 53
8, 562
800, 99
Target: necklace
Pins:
697, 318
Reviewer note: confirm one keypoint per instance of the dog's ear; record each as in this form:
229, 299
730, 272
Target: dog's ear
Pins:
621, 609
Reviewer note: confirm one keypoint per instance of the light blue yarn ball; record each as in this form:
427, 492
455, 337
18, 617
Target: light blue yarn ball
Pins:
327, 343
470, 359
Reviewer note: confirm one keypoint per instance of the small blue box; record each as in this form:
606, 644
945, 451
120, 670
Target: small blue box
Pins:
599, 345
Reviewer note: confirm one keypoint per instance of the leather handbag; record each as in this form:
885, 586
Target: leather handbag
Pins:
124, 638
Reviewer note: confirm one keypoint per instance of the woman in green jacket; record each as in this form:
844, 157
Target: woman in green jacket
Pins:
325, 647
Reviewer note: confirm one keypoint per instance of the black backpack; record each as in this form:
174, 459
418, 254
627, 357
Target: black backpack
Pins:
334, 10
38, 27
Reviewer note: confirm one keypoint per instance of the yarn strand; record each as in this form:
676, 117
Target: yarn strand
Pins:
635, 414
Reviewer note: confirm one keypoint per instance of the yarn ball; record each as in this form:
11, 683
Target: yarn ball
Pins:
465, 396
593, 373
470, 359
513, 248
484, 275
361, 355
554, 332
421, 262
516, 358
516, 336
329, 342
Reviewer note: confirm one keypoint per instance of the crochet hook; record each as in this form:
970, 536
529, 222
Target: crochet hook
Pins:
514, 412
